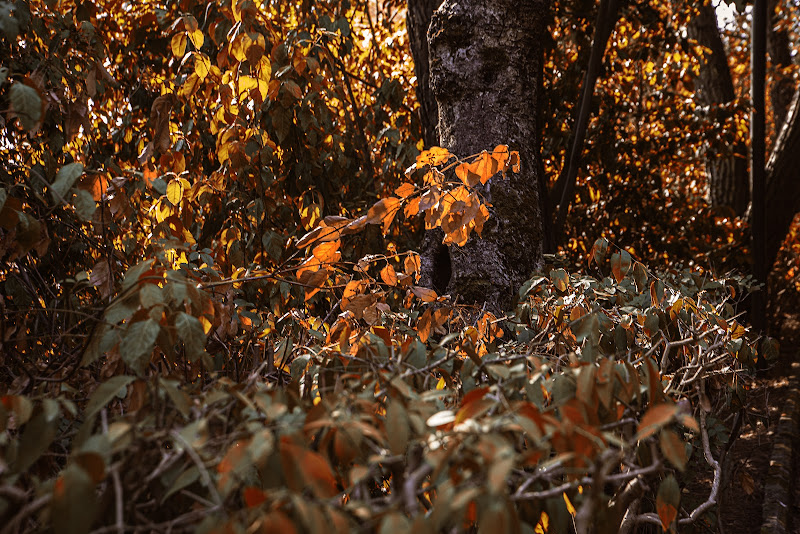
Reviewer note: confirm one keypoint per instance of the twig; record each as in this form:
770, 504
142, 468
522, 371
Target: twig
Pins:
28, 510
199, 463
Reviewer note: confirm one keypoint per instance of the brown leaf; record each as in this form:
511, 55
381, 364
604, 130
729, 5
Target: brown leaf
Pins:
424, 294
656, 417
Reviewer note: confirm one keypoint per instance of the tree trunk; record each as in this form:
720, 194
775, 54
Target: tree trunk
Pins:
418, 19
485, 63
780, 55
728, 179
783, 182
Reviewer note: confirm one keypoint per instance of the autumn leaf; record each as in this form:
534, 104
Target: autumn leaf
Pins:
178, 44
433, 156
656, 417
383, 212
305, 469
674, 448
202, 66
424, 294
388, 275
405, 190
667, 501
620, 264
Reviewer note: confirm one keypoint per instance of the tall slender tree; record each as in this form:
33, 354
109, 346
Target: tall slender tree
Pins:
729, 183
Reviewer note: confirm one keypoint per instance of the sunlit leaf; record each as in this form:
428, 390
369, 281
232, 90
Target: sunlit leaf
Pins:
178, 44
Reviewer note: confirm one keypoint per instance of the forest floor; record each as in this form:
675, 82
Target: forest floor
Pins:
747, 465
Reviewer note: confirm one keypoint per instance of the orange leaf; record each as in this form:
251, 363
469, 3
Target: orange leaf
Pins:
253, 497
306, 469
412, 208
433, 156
656, 417
424, 326
327, 252
313, 281
424, 294
389, 276
667, 501
467, 174
406, 189
383, 212
353, 288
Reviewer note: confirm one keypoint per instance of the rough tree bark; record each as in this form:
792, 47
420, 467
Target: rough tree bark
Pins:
783, 182
418, 18
728, 178
485, 65
780, 55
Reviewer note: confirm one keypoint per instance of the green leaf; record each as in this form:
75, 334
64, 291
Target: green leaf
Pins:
104, 393
396, 426
74, 502
150, 296
84, 203
770, 348
135, 272
27, 104
667, 501
192, 334
138, 343
65, 179
178, 397
186, 478
39, 433
599, 250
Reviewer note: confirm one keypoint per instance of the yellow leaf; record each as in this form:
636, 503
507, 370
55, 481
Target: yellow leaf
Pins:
202, 66
239, 46
570, 508
178, 44
189, 86
197, 39
175, 192
264, 69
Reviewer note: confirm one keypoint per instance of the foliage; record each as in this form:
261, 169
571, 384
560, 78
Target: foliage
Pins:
211, 316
